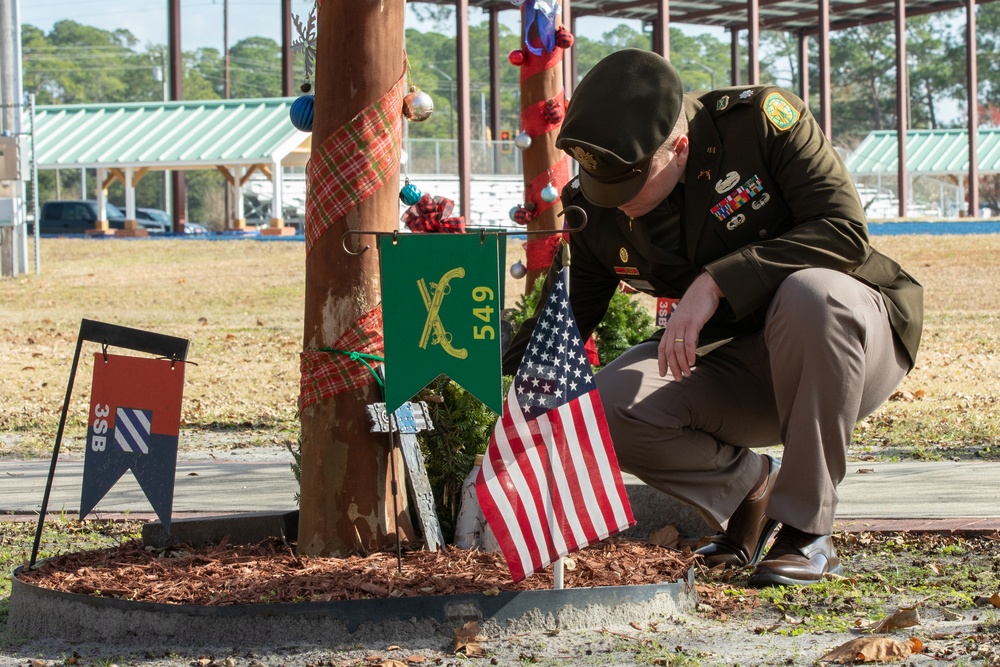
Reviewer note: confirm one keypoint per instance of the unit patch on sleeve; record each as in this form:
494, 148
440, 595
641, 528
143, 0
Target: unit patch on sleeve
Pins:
778, 110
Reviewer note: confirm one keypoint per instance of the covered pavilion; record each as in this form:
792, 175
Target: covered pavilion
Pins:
126, 142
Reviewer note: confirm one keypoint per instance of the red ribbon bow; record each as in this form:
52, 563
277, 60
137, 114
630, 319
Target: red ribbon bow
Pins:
433, 214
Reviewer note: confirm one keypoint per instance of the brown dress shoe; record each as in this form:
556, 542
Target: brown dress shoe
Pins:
748, 530
796, 559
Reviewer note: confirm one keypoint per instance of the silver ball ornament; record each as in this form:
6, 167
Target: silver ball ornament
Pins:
518, 270
523, 141
549, 193
417, 106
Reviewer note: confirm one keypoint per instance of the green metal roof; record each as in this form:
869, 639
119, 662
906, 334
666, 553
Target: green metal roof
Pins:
928, 152
169, 135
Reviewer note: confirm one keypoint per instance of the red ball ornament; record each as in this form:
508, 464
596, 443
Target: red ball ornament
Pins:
564, 38
554, 112
523, 216
516, 57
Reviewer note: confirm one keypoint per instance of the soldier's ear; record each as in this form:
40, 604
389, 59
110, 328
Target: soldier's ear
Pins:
682, 147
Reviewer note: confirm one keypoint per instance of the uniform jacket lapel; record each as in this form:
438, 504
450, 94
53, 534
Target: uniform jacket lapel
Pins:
702, 171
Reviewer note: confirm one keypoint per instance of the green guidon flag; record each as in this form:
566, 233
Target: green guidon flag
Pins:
441, 304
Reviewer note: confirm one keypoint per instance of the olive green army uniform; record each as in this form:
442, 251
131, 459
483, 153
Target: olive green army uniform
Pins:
817, 327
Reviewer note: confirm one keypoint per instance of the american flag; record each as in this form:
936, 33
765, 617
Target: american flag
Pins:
549, 483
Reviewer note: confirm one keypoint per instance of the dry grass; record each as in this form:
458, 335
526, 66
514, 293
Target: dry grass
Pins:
240, 303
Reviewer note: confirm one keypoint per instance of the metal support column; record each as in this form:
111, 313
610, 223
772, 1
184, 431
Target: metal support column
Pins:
902, 106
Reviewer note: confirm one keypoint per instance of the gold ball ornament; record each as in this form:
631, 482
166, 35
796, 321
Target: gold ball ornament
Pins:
417, 106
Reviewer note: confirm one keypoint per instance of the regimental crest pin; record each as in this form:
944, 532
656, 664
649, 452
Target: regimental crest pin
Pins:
623, 254
722, 103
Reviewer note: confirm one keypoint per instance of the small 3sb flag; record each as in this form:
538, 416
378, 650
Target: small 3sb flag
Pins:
133, 424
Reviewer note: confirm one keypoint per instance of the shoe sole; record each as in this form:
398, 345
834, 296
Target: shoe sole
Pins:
763, 580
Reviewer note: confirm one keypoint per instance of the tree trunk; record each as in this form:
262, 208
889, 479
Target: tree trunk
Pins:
347, 498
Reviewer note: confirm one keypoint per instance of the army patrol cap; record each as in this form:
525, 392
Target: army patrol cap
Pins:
621, 112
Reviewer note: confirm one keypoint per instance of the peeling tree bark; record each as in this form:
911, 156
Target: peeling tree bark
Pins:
346, 499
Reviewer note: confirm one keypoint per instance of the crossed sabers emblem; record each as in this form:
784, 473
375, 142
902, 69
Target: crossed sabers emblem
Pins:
433, 306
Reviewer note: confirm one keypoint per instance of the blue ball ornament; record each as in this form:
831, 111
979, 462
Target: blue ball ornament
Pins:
301, 113
513, 213
410, 194
549, 193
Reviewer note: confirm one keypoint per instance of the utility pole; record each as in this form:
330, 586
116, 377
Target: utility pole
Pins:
287, 75
225, 60
179, 193
347, 499
225, 44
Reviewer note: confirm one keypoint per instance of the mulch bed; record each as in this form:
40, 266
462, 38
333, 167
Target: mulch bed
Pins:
272, 572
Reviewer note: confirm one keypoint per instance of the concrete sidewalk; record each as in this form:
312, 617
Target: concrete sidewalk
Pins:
940, 495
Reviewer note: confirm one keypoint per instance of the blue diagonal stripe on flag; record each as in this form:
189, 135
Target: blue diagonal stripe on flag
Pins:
132, 428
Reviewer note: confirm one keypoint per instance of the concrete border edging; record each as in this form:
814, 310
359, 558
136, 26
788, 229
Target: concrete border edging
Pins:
40, 612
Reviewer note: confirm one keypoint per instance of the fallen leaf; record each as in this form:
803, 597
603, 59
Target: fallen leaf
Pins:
904, 617
392, 663
668, 536
467, 640
873, 649
394, 647
415, 659
863, 471
995, 599
492, 592
950, 615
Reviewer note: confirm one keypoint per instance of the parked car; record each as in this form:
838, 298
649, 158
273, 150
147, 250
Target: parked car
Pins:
195, 228
75, 217
154, 220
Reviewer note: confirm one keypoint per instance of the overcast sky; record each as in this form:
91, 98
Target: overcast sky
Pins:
202, 20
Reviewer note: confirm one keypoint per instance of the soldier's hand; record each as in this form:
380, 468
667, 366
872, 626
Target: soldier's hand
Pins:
680, 336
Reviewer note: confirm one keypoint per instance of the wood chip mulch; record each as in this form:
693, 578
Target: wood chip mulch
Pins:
272, 572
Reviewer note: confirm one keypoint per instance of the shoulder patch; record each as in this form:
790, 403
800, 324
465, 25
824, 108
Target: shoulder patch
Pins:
780, 112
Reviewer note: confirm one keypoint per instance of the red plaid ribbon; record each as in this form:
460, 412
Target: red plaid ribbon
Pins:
326, 374
354, 162
433, 214
540, 252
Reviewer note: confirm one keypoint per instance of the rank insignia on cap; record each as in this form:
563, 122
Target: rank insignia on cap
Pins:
623, 253
722, 103
585, 159
781, 114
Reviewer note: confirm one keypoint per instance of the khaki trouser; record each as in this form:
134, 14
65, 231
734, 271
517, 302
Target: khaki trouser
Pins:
825, 359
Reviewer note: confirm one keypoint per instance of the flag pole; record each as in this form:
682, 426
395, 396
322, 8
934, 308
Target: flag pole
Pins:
559, 567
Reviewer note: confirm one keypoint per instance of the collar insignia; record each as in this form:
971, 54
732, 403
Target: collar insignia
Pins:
722, 103
746, 94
